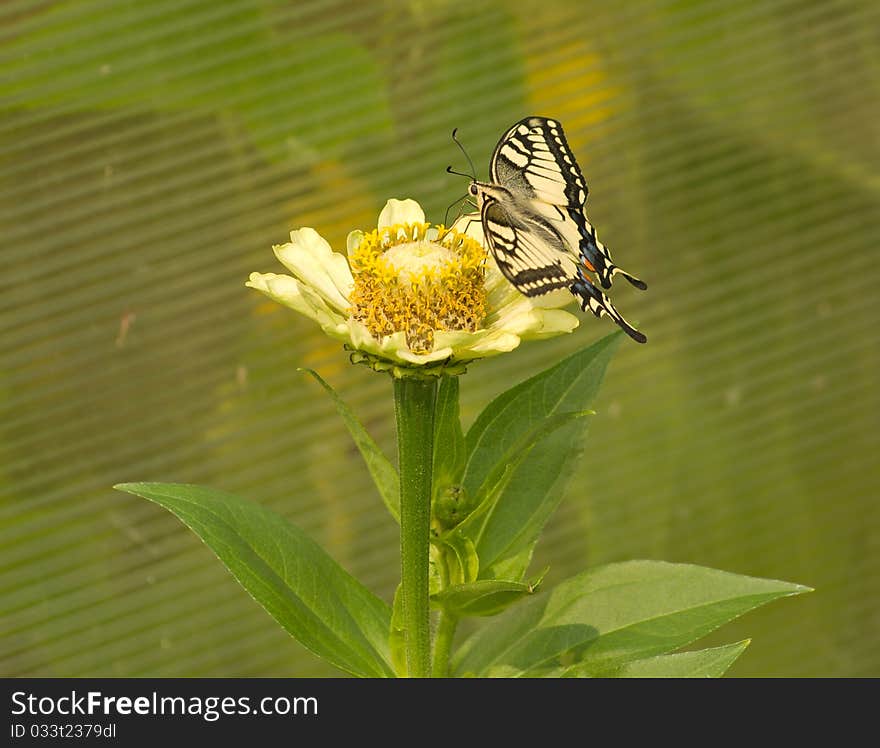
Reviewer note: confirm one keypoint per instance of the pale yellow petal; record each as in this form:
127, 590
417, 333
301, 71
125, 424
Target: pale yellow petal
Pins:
512, 306
361, 339
497, 286
456, 339
352, 241
553, 322
394, 347
523, 320
477, 344
290, 292
496, 341
401, 211
554, 299
438, 354
309, 257
502, 295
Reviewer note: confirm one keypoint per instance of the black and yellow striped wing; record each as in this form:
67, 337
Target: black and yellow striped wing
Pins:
534, 257
534, 161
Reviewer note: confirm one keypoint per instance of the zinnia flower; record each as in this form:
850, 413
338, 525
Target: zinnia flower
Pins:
411, 298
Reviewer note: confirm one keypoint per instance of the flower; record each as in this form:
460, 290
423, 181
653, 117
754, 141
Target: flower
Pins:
411, 297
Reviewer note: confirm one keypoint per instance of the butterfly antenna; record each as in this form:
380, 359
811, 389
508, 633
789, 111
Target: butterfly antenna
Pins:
473, 174
450, 170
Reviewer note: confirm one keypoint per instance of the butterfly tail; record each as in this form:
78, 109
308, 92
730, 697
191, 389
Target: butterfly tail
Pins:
599, 304
637, 282
597, 258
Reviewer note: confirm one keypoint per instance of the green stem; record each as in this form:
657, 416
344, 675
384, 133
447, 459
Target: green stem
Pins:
414, 401
443, 644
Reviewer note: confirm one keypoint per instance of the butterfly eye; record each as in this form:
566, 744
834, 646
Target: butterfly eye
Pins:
473, 189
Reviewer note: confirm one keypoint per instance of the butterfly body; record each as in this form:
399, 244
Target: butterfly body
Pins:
533, 218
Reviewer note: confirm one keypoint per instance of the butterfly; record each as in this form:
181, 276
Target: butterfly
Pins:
533, 218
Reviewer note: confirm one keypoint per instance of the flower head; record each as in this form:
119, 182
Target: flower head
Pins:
411, 298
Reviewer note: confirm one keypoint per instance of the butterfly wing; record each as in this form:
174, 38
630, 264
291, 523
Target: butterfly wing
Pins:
598, 303
534, 161
534, 257
527, 251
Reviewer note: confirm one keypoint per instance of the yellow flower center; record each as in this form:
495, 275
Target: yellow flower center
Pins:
418, 279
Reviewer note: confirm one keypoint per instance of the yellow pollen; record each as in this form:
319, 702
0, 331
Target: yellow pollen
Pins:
418, 279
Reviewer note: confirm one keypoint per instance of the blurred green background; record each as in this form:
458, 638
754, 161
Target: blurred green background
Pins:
152, 152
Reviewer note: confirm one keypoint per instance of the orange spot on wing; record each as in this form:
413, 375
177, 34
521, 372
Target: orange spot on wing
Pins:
588, 265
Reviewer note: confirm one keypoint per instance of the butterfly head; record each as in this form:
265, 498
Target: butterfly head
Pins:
474, 186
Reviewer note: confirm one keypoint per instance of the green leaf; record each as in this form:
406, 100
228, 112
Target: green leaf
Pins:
533, 490
499, 478
292, 577
397, 636
607, 617
467, 564
449, 452
563, 387
384, 474
703, 663
511, 567
486, 597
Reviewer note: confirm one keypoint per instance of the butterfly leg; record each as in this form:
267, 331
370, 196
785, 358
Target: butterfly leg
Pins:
466, 220
461, 202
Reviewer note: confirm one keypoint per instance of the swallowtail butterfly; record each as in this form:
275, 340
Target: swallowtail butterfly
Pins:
533, 219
